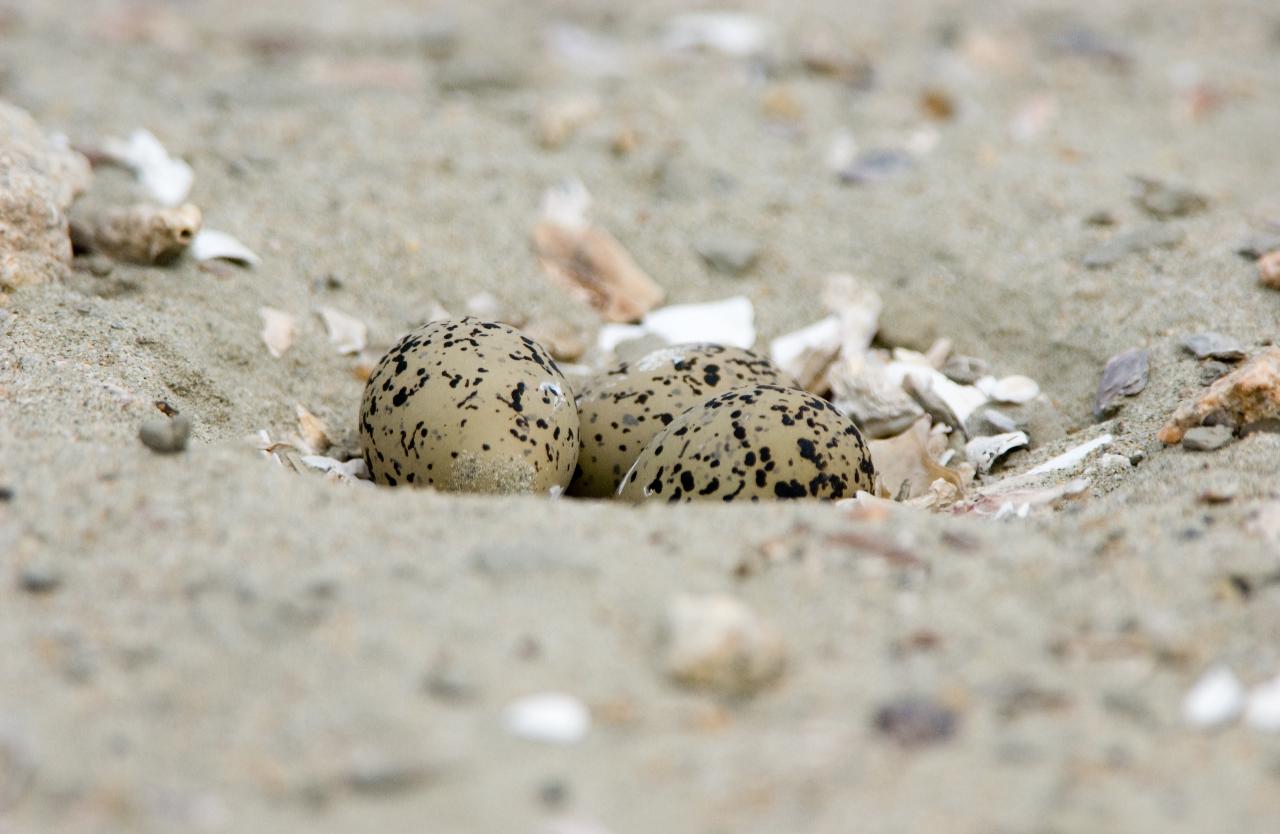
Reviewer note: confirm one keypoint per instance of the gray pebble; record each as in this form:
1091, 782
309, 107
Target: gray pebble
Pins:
383, 776
1210, 371
166, 435
1165, 201
1211, 345
965, 370
915, 722
1207, 438
727, 252
1139, 240
39, 577
988, 421
1124, 376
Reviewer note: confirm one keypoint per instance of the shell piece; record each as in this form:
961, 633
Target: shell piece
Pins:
761, 441
146, 234
620, 411
278, 330
212, 244
1249, 394
469, 406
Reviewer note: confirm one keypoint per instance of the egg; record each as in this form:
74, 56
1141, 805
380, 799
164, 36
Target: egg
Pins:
754, 442
469, 406
620, 411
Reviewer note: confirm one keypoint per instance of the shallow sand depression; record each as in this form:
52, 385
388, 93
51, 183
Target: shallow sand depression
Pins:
208, 641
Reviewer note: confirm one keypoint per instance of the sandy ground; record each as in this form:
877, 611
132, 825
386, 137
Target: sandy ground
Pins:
232, 647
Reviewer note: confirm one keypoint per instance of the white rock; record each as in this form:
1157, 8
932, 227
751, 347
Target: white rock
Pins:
1010, 389
715, 642
1216, 699
1263, 709
210, 244
983, 452
548, 717
728, 322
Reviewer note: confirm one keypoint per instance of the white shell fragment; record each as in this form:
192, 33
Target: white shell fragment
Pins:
730, 33
806, 353
1216, 699
167, 179
1263, 709
729, 322
315, 434
549, 717
278, 330
347, 333
983, 452
963, 400
211, 244
1072, 457
345, 470
1011, 389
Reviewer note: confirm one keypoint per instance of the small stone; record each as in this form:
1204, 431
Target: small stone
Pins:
913, 721
1207, 438
1211, 371
965, 370
1257, 245
1154, 236
1269, 270
1211, 345
550, 718
1100, 218
1217, 698
445, 683
1248, 395
1113, 462
1167, 201
380, 775
166, 436
6, 494
727, 252
39, 577
1125, 375
717, 643
875, 166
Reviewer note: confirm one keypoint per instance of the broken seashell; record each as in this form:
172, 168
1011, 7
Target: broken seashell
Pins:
862, 388
278, 330
210, 244
345, 470
144, 234
167, 179
962, 400
315, 434
1010, 389
905, 465
347, 333
1003, 502
983, 452
1125, 375
589, 262
1072, 457
728, 322
805, 354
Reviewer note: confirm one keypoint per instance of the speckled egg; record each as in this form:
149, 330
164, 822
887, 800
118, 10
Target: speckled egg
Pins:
754, 442
620, 411
469, 406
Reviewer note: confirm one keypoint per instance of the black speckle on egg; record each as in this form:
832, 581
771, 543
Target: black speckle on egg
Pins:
751, 443
636, 400
469, 406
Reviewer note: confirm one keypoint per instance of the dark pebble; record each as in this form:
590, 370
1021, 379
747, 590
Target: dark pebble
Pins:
39, 578
1211, 345
166, 436
913, 721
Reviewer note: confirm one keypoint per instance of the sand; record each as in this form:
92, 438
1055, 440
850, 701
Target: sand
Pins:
208, 642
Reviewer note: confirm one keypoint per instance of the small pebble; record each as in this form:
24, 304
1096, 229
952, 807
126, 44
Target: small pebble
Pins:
6, 493
729, 253
1207, 438
1211, 345
1167, 201
1217, 698
39, 578
550, 718
166, 436
965, 370
914, 721
1128, 243
875, 166
379, 775
717, 643
988, 421
1211, 371
1114, 462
